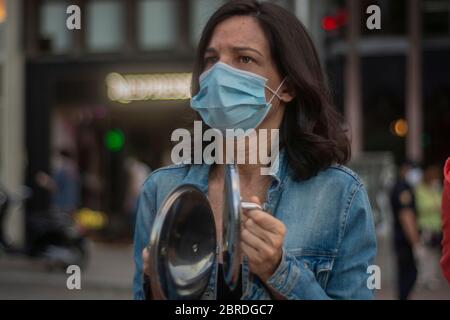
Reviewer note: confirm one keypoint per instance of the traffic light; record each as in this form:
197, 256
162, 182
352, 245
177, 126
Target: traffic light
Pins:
114, 140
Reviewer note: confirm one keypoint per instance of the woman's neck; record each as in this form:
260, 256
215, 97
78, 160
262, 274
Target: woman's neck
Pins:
249, 172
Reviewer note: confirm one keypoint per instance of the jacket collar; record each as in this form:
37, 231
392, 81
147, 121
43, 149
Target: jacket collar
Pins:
198, 174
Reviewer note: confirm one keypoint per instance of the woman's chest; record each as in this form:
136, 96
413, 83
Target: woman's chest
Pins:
216, 199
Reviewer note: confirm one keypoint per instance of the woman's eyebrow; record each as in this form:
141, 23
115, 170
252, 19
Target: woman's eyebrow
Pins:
213, 50
247, 49
210, 50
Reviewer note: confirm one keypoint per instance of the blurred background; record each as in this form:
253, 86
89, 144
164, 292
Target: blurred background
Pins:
86, 115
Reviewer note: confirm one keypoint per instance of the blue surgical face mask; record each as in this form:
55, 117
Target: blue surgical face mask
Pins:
230, 98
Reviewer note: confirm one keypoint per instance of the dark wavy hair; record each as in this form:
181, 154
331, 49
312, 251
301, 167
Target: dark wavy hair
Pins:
312, 130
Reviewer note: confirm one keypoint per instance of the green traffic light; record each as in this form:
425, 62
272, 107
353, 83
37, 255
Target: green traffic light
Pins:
115, 140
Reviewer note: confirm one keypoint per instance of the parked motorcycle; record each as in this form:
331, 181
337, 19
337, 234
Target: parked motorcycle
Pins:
56, 239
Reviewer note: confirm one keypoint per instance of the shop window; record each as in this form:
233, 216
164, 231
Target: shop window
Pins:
54, 36
105, 25
157, 24
201, 11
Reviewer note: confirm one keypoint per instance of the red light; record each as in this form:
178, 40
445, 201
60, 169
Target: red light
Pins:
329, 24
336, 21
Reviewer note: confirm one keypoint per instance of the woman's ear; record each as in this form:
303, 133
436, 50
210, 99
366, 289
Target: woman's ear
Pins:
287, 92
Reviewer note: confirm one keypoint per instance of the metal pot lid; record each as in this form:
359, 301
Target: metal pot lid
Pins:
231, 224
182, 245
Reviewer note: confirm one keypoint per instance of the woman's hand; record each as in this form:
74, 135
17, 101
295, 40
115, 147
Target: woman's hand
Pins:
262, 238
146, 261
148, 285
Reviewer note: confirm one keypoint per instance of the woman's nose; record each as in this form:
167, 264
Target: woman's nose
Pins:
226, 60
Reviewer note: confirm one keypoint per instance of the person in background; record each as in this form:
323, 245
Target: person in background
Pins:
137, 172
428, 196
64, 181
406, 233
445, 260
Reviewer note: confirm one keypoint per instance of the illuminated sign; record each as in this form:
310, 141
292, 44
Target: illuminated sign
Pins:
141, 87
2, 11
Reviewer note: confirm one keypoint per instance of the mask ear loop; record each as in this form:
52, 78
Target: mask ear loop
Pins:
275, 93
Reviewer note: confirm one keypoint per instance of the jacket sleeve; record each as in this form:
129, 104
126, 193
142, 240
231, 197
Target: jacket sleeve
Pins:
348, 277
144, 221
445, 261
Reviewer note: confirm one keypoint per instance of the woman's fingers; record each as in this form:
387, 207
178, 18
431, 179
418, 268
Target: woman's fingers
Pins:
255, 199
263, 244
254, 241
250, 252
255, 229
146, 261
262, 238
266, 221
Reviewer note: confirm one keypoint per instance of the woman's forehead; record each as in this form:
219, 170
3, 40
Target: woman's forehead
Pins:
239, 31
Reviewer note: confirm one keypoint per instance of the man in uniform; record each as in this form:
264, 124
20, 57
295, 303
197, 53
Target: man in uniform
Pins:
406, 234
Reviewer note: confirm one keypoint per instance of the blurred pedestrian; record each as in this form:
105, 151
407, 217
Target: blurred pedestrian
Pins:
428, 196
63, 182
137, 172
445, 260
408, 248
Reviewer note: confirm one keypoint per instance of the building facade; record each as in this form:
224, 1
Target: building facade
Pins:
116, 88
111, 91
12, 148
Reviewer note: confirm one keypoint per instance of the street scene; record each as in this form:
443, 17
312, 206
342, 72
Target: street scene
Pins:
109, 274
94, 93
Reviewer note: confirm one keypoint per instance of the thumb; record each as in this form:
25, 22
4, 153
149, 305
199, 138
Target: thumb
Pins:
255, 199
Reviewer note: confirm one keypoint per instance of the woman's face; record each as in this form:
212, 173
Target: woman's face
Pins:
240, 42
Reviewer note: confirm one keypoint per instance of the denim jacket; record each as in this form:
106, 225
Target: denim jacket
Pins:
329, 244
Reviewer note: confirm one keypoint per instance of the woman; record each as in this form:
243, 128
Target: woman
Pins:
315, 238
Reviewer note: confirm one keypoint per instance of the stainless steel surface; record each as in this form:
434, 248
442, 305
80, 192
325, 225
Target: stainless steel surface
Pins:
182, 245
183, 240
231, 224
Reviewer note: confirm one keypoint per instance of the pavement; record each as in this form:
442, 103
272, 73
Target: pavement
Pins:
440, 290
108, 276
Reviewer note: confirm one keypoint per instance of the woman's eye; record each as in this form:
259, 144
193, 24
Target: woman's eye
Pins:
246, 59
210, 60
